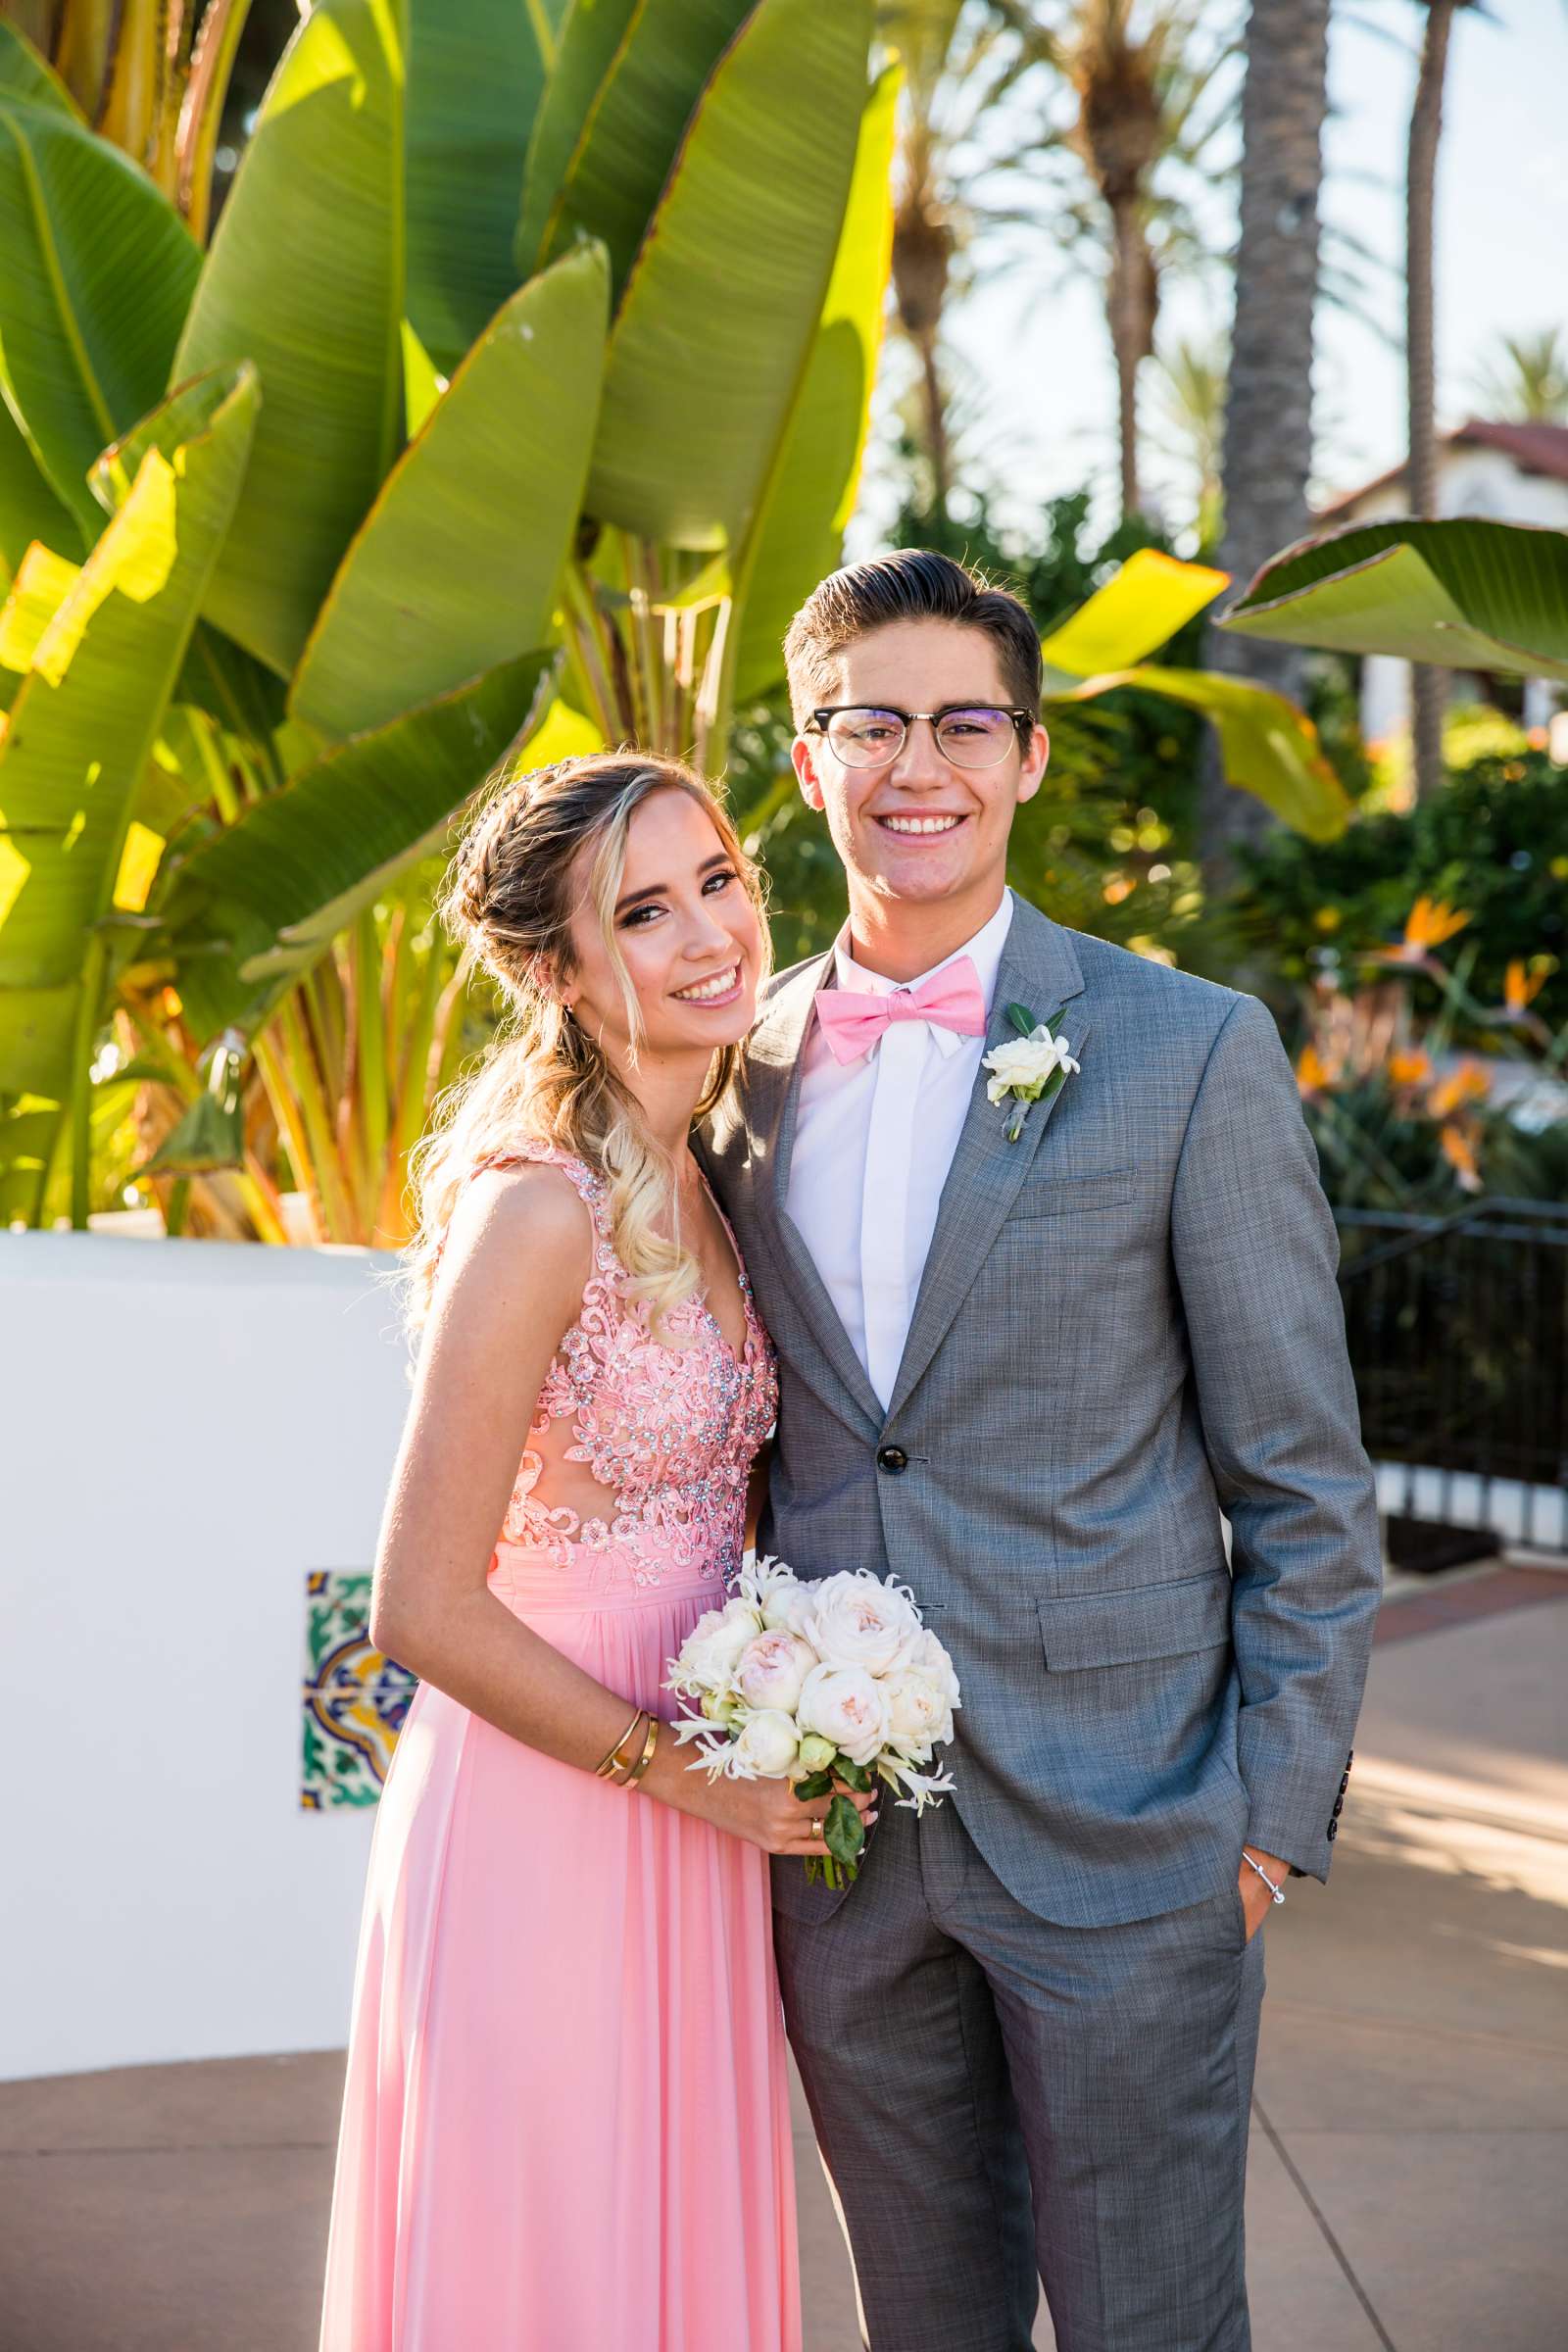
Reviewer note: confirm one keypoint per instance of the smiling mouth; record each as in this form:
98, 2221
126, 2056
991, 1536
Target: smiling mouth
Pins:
716, 991
912, 828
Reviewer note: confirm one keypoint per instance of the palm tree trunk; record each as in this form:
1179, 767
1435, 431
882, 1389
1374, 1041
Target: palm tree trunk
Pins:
1429, 691
934, 400
1131, 335
1268, 412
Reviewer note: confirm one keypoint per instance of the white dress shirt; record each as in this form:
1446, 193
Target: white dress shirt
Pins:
874, 1139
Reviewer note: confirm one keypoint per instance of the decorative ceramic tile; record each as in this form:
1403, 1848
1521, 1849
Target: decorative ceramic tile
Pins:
355, 1696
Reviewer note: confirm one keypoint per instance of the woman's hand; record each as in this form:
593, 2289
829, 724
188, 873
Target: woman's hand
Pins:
769, 1814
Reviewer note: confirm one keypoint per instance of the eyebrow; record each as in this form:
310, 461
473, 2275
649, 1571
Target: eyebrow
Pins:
662, 890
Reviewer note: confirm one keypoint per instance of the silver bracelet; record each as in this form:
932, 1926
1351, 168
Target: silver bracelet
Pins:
1273, 1886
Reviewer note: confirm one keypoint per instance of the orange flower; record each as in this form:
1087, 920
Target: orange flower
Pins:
1312, 1073
1429, 923
1523, 983
1469, 1083
1459, 1153
1409, 1068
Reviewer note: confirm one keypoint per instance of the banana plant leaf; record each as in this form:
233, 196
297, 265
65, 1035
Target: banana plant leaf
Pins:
42, 583
590, 38
305, 278
476, 73
630, 135
1460, 594
256, 904
1139, 609
26, 74
84, 721
799, 537
1268, 746
423, 382
97, 278
28, 1130
28, 507
232, 687
456, 567
720, 314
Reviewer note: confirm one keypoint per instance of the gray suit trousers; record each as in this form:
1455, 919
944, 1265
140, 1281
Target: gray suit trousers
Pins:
999, 2097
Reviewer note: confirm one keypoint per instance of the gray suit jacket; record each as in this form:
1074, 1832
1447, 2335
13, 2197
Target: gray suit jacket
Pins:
1128, 1322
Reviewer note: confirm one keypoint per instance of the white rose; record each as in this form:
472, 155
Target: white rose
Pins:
764, 1576
857, 1621
770, 1669
919, 1713
786, 1606
766, 1745
845, 1704
1022, 1064
709, 1652
816, 1753
933, 1661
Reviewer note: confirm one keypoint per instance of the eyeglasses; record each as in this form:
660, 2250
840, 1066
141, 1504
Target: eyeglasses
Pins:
969, 734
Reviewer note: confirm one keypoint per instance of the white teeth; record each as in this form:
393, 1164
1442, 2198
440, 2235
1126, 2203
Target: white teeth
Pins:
710, 987
921, 824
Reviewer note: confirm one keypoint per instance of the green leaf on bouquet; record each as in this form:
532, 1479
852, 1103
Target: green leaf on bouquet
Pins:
1022, 1019
817, 1784
843, 1833
854, 1776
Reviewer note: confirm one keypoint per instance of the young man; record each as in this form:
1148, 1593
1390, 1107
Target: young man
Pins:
1028, 1377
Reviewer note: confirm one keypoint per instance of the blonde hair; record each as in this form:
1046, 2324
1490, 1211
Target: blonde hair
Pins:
508, 896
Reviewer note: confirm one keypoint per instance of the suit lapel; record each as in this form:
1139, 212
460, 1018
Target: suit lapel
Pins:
1040, 971
773, 1086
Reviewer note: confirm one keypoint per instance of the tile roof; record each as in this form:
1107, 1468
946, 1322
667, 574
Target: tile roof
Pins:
1534, 449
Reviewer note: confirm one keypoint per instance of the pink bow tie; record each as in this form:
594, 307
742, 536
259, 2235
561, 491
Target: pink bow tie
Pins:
853, 1018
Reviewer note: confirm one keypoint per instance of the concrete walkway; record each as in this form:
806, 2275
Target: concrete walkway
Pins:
1410, 2137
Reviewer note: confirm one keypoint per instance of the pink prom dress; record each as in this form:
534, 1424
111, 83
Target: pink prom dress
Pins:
566, 2123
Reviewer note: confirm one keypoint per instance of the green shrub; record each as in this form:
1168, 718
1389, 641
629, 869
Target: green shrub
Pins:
1493, 843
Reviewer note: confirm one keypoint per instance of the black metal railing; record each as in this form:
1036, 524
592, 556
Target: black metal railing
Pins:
1458, 1337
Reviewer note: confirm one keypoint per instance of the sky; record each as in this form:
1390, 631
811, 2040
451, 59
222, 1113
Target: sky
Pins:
1029, 340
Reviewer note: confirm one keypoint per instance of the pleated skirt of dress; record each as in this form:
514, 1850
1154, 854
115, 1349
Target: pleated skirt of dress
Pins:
566, 2122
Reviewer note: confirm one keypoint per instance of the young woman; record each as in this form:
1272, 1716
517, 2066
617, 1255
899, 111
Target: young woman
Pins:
566, 2123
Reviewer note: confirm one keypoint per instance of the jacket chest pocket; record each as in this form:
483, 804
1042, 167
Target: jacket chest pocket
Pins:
1143, 1621
1062, 1195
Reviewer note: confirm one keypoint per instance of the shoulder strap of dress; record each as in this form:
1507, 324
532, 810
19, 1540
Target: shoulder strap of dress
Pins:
533, 1152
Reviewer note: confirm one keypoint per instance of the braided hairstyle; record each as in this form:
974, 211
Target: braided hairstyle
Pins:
508, 898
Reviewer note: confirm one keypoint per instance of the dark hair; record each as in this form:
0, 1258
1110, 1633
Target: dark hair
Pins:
912, 584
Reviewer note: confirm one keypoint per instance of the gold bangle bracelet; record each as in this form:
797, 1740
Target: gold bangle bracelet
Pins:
647, 1756
609, 1758
616, 1775
614, 1761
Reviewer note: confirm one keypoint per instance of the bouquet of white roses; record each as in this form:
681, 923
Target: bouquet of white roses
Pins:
816, 1681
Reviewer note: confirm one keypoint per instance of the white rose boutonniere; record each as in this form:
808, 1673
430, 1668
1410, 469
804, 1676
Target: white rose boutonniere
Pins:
1030, 1067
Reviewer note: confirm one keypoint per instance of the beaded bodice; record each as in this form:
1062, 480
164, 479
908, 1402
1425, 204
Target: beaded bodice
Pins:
668, 1432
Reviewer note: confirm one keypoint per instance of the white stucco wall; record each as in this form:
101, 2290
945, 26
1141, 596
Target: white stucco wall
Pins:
187, 1428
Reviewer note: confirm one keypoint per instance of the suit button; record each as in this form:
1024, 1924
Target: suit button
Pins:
1339, 1807
1334, 1829
1345, 1782
893, 1460
1347, 1760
